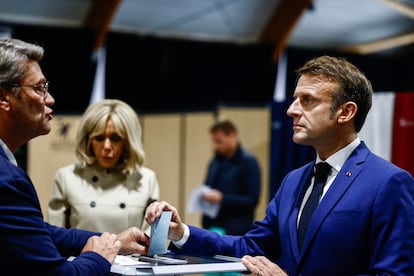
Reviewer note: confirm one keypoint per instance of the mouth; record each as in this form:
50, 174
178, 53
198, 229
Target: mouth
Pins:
297, 126
107, 159
49, 115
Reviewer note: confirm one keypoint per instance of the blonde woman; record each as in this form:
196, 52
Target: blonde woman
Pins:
109, 188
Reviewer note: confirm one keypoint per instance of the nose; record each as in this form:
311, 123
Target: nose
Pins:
49, 100
293, 109
107, 143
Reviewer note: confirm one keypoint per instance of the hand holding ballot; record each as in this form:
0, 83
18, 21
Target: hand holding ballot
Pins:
179, 233
154, 211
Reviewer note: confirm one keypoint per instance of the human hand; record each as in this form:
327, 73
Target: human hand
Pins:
133, 240
107, 245
212, 195
154, 211
262, 266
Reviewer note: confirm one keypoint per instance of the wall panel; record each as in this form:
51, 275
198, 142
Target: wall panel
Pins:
46, 154
163, 145
197, 154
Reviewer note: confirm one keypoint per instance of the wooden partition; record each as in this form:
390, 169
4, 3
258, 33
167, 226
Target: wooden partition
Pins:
46, 154
163, 147
197, 154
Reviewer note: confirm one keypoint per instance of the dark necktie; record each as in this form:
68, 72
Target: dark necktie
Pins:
322, 170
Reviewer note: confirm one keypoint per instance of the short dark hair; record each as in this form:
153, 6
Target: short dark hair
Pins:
225, 126
353, 85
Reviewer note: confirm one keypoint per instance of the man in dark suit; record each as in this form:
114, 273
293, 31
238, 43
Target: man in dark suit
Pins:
29, 245
233, 180
364, 220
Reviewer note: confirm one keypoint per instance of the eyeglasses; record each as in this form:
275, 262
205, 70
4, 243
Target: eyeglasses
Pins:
40, 89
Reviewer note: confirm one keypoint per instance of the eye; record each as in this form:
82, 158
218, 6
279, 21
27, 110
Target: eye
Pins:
115, 138
41, 87
99, 138
307, 100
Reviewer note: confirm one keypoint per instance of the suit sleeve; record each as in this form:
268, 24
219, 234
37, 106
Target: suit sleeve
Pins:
261, 239
392, 232
32, 247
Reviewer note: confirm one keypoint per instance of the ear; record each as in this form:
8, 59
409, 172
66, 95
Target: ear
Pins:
346, 112
4, 99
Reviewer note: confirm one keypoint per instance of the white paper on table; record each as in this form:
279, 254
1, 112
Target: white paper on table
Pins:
125, 260
197, 204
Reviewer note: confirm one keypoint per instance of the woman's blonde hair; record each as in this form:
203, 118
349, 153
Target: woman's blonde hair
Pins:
126, 122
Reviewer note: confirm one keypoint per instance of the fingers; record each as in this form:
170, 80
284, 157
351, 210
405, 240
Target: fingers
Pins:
261, 266
107, 245
154, 211
213, 195
156, 208
133, 240
249, 263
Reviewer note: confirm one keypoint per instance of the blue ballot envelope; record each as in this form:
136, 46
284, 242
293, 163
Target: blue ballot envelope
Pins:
159, 234
157, 251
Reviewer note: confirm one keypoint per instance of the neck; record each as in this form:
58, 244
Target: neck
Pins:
326, 150
12, 141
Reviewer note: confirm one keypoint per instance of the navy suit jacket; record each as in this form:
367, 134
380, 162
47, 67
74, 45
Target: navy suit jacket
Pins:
239, 179
363, 225
30, 246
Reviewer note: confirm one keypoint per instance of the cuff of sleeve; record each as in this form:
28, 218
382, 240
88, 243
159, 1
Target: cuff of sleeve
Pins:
184, 238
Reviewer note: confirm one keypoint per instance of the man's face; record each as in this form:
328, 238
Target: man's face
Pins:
29, 109
314, 123
224, 144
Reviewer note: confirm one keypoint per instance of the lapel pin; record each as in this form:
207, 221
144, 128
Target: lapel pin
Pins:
348, 173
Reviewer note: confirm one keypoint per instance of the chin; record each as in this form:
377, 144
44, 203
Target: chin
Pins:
45, 131
300, 140
106, 165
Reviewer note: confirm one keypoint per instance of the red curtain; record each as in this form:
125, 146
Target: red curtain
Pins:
403, 131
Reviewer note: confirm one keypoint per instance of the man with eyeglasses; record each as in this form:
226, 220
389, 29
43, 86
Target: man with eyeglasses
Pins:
42, 88
29, 245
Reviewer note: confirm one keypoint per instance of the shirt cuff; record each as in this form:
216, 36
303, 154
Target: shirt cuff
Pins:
184, 238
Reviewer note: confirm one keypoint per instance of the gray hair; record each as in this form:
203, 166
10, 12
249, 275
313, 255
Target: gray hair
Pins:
14, 55
126, 122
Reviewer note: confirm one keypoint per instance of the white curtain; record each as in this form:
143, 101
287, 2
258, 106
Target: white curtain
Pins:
98, 90
377, 130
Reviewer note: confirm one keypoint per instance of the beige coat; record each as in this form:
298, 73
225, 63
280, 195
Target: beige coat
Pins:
97, 199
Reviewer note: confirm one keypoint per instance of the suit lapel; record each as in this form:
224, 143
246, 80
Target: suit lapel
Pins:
340, 185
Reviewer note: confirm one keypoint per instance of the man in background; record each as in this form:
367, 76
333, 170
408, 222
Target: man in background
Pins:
233, 181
